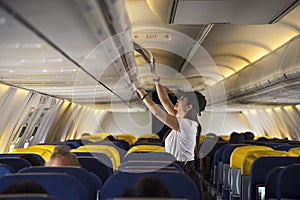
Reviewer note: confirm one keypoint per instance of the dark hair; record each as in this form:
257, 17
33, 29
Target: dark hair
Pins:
26, 186
147, 186
236, 138
196, 99
248, 135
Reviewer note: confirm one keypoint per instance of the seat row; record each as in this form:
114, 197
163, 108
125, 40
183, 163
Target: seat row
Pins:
238, 169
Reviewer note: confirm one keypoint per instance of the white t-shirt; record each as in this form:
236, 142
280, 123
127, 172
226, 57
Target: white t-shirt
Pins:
181, 144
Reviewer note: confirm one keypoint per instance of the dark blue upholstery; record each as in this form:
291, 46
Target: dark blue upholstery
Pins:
35, 159
178, 184
218, 176
15, 162
226, 160
147, 166
271, 183
261, 166
91, 183
97, 166
207, 161
5, 169
288, 182
100, 156
26, 197
159, 156
228, 150
59, 185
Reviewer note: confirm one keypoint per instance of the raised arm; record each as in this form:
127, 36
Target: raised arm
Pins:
162, 93
168, 119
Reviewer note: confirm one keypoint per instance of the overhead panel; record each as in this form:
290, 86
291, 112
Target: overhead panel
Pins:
224, 11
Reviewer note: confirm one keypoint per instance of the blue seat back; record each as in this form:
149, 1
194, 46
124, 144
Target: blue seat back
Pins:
261, 166
152, 156
89, 181
178, 184
26, 197
271, 183
34, 159
5, 169
59, 185
97, 166
288, 182
105, 159
148, 166
15, 162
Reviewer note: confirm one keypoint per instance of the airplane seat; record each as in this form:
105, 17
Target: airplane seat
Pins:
15, 162
179, 185
260, 168
97, 166
288, 183
26, 197
110, 151
90, 182
208, 159
44, 153
271, 183
148, 166
226, 169
218, 172
102, 157
59, 185
151, 156
34, 159
236, 164
5, 169
146, 148
283, 147
120, 145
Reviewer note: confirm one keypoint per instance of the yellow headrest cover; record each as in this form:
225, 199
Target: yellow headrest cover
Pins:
237, 156
251, 156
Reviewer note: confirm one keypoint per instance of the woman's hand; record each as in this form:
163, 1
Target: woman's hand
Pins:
154, 70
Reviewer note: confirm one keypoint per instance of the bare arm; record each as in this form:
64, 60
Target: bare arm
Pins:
162, 93
170, 120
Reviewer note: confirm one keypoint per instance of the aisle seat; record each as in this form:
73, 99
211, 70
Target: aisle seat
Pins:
93, 184
59, 185
179, 185
250, 157
146, 148
154, 156
97, 166
139, 166
108, 150
236, 162
288, 183
261, 167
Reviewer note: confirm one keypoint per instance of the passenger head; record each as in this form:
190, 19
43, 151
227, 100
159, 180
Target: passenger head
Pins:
147, 186
22, 187
193, 103
236, 138
62, 156
248, 135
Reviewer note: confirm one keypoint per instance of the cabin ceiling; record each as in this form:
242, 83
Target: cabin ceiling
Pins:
69, 52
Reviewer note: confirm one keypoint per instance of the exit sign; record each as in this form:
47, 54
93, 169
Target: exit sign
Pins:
153, 36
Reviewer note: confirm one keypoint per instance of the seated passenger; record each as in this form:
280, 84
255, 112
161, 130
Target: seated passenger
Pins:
147, 186
236, 138
62, 156
249, 136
